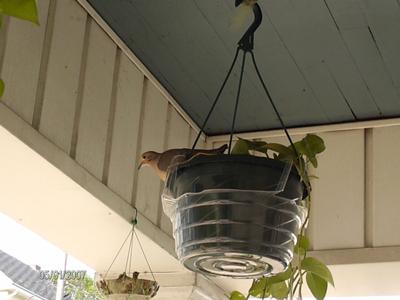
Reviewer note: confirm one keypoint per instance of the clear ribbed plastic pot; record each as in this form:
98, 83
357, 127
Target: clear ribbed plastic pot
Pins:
234, 216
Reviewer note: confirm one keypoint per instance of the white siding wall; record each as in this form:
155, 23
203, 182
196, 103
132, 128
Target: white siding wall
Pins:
384, 183
72, 83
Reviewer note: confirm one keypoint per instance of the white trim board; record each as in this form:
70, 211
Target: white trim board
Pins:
358, 255
309, 129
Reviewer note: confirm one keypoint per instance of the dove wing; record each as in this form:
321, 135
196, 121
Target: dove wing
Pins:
169, 157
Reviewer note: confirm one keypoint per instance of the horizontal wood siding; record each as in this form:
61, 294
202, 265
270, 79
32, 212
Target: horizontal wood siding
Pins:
94, 116
154, 129
62, 80
21, 64
384, 185
125, 136
337, 217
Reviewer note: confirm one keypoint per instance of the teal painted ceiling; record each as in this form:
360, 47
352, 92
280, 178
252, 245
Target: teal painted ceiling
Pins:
324, 61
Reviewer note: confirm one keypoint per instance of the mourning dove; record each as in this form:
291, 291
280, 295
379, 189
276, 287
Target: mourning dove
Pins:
160, 162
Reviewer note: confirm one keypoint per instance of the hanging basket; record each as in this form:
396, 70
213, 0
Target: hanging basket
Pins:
234, 215
127, 288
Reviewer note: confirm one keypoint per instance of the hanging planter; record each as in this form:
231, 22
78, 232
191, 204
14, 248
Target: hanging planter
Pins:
127, 288
236, 215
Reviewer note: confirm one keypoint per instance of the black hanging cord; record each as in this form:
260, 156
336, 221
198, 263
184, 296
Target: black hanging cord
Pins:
272, 102
216, 99
246, 44
115, 257
129, 255
237, 100
128, 262
145, 257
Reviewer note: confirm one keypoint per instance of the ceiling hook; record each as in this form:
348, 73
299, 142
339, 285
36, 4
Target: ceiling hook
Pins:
246, 43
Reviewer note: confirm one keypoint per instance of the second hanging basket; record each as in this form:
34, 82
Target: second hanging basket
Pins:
234, 215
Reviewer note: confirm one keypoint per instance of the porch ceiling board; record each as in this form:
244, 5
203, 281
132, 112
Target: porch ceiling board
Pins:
311, 54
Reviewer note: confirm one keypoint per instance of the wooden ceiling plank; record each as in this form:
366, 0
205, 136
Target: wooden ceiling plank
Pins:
356, 35
383, 18
310, 33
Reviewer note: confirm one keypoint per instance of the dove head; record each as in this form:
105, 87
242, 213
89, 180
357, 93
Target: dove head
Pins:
149, 158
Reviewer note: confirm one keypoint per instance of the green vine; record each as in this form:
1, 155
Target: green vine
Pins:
20, 9
303, 268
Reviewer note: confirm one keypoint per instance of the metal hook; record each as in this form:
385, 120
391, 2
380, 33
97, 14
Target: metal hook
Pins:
246, 43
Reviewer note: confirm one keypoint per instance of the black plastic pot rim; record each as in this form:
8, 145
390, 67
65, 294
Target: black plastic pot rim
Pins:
243, 158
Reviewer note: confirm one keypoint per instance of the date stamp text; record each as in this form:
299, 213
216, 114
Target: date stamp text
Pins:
63, 275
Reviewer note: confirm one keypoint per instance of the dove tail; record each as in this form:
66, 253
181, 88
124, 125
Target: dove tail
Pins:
221, 149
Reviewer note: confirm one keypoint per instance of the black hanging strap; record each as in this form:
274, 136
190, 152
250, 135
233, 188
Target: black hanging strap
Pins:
272, 102
216, 98
237, 101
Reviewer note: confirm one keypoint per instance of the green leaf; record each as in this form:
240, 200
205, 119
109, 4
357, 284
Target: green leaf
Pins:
317, 286
266, 283
279, 290
281, 276
314, 143
316, 267
310, 146
235, 295
259, 287
302, 245
2, 87
241, 147
283, 151
21, 9
254, 145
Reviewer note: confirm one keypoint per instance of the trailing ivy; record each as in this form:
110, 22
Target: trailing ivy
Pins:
303, 268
